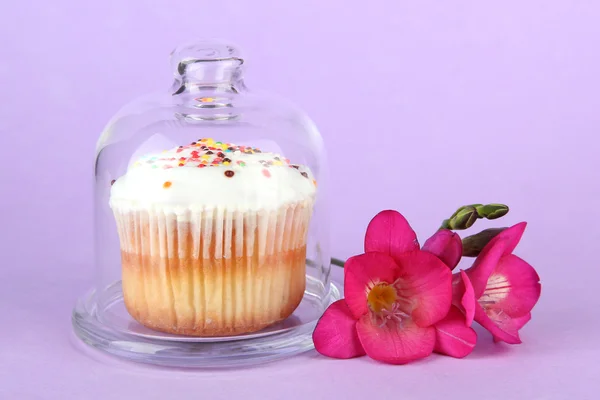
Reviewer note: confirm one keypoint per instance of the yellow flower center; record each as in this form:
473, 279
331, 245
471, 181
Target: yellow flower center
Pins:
382, 297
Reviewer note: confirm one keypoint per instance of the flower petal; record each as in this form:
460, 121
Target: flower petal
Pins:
390, 233
504, 243
517, 323
484, 265
467, 301
395, 343
513, 287
363, 272
512, 236
521, 321
499, 324
463, 296
426, 284
453, 336
446, 245
335, 335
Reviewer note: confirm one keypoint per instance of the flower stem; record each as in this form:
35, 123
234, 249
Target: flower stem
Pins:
338, 262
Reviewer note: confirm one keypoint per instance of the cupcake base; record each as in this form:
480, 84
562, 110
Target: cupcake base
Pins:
218, 297
213, 272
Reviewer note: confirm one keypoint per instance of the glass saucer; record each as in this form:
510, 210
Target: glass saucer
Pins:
113, 331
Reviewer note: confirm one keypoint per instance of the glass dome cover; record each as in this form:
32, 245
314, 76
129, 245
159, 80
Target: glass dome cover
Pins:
211, 231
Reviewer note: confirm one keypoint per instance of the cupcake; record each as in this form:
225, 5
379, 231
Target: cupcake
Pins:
213, 238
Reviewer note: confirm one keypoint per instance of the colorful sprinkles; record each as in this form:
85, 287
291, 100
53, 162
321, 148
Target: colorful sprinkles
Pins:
204, 153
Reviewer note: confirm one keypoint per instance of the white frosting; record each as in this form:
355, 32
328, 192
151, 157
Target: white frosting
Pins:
175, 181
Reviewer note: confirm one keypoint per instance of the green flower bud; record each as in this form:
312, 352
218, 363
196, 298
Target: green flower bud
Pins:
472, 245
492, 211
463, 218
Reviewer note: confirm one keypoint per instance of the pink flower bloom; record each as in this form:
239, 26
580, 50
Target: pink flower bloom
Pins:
504, 287
394, 294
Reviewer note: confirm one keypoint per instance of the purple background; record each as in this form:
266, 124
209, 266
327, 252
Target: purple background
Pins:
424, 106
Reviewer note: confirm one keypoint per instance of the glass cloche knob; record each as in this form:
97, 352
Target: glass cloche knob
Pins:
207, 65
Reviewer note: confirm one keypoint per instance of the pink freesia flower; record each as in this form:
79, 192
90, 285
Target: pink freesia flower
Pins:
394, 295
504, 288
